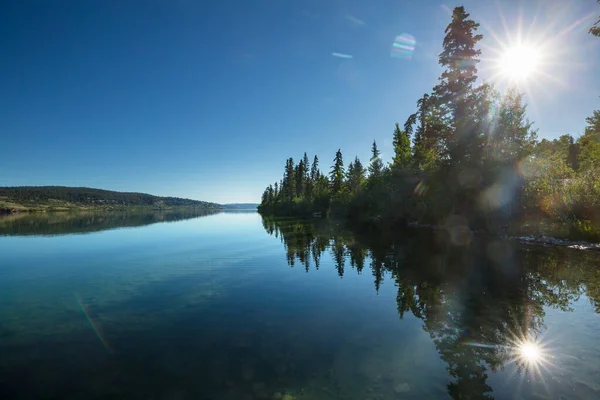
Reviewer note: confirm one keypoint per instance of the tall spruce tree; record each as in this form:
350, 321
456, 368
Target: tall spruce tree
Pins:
299, 175
288, 186
376, 165
402, 151
337, 173
454, 93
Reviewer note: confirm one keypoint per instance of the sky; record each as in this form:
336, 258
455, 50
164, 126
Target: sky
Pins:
206, 100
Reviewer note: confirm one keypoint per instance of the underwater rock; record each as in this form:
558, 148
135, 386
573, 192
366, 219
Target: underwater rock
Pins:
401, 387
288, 397
247, 373
277, 396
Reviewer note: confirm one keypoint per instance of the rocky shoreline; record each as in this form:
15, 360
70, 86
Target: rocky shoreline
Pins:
539, 240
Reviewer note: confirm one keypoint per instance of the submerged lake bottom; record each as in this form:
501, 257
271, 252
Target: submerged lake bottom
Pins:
239, 306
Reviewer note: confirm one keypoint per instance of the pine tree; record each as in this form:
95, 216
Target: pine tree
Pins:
355, 175
376, 165
454, 92
306, 168
337, 173
595, 29
299, 172
288, 186
402, 151
314, 170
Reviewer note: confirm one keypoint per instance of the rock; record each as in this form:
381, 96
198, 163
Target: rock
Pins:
288, 397
277, 396
247, 373
401, 387
280, 369
258, 386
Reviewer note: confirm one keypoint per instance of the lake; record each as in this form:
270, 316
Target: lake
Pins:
236, 306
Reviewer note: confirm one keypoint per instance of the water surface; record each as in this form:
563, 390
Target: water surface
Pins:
233, 306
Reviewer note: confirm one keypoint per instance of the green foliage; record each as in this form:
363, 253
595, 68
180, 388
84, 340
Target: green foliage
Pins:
337, 173
376, 165
402, 151
475, 158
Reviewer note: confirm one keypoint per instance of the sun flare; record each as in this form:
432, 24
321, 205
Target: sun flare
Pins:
530, 352
519, 62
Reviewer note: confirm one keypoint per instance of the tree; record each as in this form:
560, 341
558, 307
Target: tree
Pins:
376, 165
430, 134
454, 92
595, 29
512, 138
589, 143
337, 173
306, 168
402, 151
300, 172
288, 187
314, 170
355, 175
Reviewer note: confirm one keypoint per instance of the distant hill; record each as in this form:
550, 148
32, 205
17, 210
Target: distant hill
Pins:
63, 198
240, 206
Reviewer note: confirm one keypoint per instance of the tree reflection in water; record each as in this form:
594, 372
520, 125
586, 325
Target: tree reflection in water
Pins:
483, 305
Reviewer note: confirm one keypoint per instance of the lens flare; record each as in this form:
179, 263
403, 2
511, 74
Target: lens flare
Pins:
530, 352
403, 46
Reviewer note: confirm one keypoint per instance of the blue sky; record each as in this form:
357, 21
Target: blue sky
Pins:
188, 99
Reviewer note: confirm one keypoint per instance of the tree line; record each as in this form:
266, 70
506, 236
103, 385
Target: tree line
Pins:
467, 151
34, 195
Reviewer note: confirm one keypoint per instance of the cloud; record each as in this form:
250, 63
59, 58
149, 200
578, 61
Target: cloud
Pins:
342, 55
355, 21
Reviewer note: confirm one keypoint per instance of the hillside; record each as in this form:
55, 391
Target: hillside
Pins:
63, 198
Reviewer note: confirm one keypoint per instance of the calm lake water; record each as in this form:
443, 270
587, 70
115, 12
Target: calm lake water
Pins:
233, 306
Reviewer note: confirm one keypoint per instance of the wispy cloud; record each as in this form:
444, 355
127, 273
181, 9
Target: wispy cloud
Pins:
342, 55
355, 21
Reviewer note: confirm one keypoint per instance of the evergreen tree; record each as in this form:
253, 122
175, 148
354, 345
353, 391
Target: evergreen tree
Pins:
454, 92
595, 29
402, 151
276, 192
299, 174
289, 180
314, 170
432, 129
306, 168
355, 175
337, 173
376, 165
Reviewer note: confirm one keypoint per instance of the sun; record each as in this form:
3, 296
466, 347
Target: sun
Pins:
519, 62
530, 352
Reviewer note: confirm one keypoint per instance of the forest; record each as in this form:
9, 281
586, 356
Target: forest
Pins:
39, 198
467, 156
